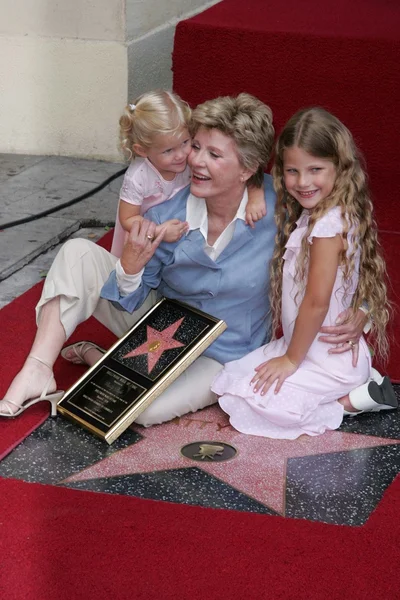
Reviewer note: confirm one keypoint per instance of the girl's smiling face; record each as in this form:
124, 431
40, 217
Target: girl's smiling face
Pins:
308, 179
168, 153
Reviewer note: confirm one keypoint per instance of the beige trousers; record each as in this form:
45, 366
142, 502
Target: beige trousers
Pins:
77, 275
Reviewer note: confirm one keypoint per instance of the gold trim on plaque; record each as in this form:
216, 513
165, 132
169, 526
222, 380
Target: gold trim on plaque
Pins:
122, 422
159, 387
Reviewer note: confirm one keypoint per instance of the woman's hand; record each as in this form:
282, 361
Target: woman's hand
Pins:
346, 333
268, 372
142, 242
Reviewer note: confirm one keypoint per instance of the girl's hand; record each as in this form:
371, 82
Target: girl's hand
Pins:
255, 211
268, 372
142, 242
175, 229
346, 334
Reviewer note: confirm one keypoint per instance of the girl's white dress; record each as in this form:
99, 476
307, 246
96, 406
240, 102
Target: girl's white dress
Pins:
307, 402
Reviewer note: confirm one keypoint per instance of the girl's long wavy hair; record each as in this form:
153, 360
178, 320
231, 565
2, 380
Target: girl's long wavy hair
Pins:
322, 135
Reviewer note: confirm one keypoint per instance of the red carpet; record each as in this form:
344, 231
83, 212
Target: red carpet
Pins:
59, 544
17, 337
341, 55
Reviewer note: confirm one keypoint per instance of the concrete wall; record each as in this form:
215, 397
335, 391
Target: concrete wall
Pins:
68, 68
150, 29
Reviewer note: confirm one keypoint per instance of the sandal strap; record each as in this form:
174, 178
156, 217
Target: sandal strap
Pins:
85, 348
80, 349
41, 360
50, 379
8, 407
46, 387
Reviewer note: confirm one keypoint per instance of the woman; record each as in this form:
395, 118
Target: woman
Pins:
220, 266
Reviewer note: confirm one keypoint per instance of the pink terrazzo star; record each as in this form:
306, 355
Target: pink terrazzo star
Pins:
157, 342
258, 470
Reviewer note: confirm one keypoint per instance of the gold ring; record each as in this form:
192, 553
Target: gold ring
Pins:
150, 237
350, 343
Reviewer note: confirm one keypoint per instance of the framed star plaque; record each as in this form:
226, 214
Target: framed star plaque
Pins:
138, 368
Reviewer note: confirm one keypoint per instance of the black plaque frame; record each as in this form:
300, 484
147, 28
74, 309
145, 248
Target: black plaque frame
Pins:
138, 367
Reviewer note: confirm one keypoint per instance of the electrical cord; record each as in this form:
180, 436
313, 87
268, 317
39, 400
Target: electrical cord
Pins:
61, 206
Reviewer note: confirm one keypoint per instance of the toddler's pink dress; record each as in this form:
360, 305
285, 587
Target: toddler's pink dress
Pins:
307, 402
143, 186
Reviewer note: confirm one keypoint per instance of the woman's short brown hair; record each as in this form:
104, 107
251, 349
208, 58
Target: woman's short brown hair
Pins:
245, 119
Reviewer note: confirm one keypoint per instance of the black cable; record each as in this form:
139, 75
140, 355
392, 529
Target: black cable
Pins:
61, 206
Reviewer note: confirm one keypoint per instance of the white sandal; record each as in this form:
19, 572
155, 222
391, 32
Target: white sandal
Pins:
53, 398
373, 396
80, 349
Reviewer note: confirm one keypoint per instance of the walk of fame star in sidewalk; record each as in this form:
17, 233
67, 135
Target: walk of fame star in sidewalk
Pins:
260, 468
338, 477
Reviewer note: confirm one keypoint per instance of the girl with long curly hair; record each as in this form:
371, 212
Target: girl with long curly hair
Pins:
326, 260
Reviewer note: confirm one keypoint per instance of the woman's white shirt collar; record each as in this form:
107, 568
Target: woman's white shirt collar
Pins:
196, 216
196, 212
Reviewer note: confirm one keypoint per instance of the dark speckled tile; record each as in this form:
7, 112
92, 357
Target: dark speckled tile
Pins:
337, 478
186, 486
56, 450
384, 424
341, 488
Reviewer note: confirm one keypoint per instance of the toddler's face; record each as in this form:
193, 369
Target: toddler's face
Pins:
307, 178
169, 153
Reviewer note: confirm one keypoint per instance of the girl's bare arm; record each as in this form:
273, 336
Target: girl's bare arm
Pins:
324, 262
256, 207
128, 213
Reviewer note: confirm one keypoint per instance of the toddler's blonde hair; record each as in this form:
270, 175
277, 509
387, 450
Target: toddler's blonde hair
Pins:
153, 113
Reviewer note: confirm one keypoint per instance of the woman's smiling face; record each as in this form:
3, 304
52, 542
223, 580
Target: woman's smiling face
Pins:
216, 169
